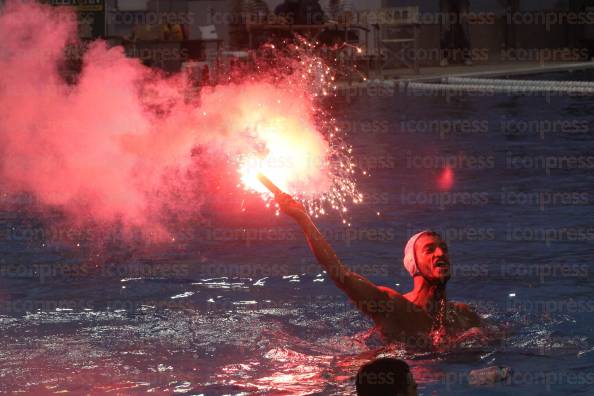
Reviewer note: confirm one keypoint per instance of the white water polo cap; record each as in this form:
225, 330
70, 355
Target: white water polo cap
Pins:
410, 260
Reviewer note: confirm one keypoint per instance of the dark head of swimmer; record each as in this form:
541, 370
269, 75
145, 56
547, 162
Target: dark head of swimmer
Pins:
385, 376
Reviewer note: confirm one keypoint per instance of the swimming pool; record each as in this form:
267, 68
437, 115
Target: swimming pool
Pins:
238, 305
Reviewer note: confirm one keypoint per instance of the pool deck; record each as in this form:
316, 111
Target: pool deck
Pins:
488, 70
502, 69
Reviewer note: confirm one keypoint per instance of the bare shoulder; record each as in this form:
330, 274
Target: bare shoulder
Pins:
389, 292
465, 311
400, 301
461, 307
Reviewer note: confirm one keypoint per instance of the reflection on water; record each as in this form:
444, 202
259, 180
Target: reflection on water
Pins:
241, 349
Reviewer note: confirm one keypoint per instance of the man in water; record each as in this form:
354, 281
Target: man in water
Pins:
421, 317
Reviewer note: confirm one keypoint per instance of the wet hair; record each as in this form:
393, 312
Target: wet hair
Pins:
383, 376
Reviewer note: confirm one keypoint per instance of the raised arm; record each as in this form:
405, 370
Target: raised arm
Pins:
368, 297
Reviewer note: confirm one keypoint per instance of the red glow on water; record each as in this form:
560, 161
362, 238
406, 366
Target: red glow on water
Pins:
446, 179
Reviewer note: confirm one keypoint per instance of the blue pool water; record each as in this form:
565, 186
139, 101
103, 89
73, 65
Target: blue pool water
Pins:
238, 306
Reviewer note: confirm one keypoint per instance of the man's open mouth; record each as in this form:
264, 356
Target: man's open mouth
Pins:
442, 264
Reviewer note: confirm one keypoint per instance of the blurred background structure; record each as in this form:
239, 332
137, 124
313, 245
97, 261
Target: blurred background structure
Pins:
380, 38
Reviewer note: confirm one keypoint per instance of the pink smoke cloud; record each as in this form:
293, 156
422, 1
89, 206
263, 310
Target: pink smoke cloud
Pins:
117, 144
